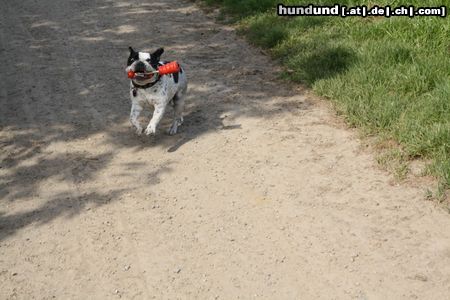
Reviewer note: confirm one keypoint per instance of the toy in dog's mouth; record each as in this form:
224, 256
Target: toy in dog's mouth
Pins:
141, 75
170, 68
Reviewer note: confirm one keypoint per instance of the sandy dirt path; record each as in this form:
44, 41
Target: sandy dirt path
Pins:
263, 194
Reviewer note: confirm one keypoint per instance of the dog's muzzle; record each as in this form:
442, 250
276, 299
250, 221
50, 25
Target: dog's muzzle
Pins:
139, 72
139, 67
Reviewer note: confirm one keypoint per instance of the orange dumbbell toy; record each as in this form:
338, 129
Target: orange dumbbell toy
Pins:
170, 68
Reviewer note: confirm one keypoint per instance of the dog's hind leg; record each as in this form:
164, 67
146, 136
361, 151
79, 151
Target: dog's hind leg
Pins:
136, 110
178, 107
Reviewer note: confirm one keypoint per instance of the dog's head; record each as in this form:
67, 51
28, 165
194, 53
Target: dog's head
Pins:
143, 62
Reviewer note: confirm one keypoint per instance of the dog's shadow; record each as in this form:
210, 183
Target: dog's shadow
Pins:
195, 124
189, 136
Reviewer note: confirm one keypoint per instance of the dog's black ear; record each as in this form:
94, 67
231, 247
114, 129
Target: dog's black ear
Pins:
133, 56
158, 52
155, 56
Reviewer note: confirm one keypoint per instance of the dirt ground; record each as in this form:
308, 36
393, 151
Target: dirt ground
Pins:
263, 194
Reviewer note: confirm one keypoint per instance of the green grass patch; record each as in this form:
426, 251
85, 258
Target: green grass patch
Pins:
389, 76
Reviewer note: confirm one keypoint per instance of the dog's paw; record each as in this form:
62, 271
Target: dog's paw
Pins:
139, 130
173, 129
150, 131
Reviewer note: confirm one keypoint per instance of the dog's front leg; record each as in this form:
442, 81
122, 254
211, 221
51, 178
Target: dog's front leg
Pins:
156, 118
136, 110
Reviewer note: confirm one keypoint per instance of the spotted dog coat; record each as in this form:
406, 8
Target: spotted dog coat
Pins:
158, 91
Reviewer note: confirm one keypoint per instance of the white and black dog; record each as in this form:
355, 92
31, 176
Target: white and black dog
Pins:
155, 90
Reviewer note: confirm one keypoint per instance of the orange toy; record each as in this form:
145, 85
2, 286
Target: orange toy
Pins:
170, 68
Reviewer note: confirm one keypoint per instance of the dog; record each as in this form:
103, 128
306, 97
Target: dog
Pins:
156, 90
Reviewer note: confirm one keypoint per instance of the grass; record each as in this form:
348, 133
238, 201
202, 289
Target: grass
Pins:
389, 76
